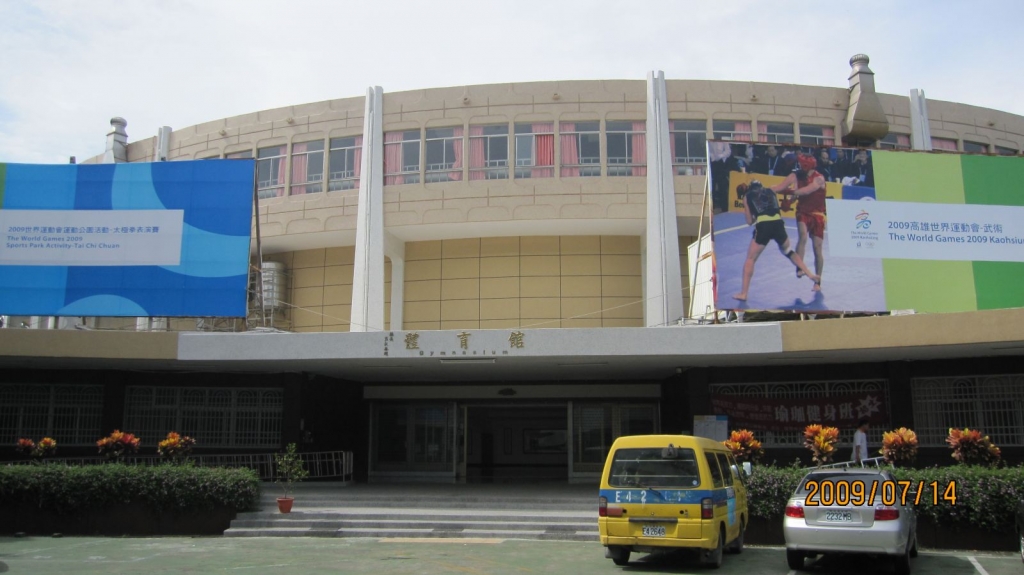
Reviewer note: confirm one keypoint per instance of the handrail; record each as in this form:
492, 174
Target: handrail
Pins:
875, 461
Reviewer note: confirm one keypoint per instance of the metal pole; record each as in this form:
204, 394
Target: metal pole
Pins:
259, 252
700, 235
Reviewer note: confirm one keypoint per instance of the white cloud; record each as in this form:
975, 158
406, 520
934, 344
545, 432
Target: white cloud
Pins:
70, 66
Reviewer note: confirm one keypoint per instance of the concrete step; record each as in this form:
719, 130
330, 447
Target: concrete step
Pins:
536, 512
536, 535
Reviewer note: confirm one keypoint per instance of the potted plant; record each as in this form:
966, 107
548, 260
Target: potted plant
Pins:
899, 446
822, 442
289, 469
176, 448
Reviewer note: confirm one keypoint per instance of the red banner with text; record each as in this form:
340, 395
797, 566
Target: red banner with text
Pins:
794, 414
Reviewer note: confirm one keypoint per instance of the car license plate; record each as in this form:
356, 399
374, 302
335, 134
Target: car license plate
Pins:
653, 531
841, 516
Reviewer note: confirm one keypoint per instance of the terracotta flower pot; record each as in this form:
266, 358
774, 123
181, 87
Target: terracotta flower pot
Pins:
284, 504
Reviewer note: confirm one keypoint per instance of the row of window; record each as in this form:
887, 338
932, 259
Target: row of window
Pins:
72, 414
527, 150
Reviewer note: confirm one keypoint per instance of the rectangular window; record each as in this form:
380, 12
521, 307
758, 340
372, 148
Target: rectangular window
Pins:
775, 133
270, 172
944, 145
893, 141
70, 414
627, 148
243, 155
992, 403
307, 167
402, 157
488, 152
215, 416
535, 150
688, 140
345, 162
817, 135
1004, 151
716, 473
413, 438
975, 147
731, 130
650, 467
596, 426
581, 149
723, 464
444, 154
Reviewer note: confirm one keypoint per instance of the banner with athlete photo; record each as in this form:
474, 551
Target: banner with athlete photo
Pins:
167, 239
824, 229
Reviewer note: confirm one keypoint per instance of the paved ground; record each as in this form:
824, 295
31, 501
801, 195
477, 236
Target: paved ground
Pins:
92, 555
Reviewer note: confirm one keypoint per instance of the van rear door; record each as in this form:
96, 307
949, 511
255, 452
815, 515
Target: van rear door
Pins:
654, 493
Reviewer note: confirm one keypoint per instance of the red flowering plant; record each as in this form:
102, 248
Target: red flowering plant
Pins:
972, 448
176, 447
899, 446
117, 444
45, 448
744, 446
822, 442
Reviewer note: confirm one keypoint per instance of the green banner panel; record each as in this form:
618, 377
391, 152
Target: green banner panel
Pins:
918, 177
996, 181
929, 286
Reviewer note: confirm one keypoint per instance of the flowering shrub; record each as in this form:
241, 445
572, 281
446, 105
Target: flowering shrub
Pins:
986, 497
25, 446
899, 446
769, 488
970, 447
117, 444
744, 446
45, 448
822, 442
176, 447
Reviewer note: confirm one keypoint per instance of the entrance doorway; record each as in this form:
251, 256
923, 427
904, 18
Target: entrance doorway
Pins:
516, 443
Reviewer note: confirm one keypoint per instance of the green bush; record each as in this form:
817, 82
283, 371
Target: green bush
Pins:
162, 488
985, 497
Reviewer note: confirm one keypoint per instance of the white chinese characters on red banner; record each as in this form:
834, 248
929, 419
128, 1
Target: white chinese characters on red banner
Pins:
794, 414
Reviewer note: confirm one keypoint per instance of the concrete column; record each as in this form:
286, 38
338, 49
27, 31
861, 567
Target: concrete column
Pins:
395, 250
663, 290
368, 273
920, 131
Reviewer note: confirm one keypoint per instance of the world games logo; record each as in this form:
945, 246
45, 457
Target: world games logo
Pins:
863, 220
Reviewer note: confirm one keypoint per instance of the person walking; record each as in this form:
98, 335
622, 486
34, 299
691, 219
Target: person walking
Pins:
860, 442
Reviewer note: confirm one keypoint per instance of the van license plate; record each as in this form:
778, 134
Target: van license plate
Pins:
653, 531
840, 516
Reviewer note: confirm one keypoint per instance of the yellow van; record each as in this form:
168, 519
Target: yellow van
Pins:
662, 491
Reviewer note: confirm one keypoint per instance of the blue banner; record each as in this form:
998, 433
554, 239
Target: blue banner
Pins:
167, 239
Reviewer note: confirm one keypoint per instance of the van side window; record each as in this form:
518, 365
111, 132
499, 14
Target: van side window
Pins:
736, 471
726, 472
716, 473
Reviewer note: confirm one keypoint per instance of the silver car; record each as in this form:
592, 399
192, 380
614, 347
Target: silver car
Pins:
851, 510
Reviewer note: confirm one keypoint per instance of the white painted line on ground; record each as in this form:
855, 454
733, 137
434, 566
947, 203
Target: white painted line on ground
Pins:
977, 565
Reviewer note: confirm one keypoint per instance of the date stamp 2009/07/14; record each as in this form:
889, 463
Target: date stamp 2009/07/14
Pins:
844, 492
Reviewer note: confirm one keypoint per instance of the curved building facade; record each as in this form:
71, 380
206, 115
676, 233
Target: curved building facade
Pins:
515, 256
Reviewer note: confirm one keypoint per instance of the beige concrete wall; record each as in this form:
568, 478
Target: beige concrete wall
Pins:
538, 281
976, 327
315, 220
87, 344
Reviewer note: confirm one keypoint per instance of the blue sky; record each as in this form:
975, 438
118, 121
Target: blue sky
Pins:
67, 67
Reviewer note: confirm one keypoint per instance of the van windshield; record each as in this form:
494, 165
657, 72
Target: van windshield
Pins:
646, 467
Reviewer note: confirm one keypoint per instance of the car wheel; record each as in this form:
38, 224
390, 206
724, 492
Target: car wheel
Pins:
619, 555
714, 558
736, 546
795, 559
901, 563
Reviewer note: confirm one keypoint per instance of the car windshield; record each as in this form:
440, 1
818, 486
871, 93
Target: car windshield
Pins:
867, 480
654, 467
